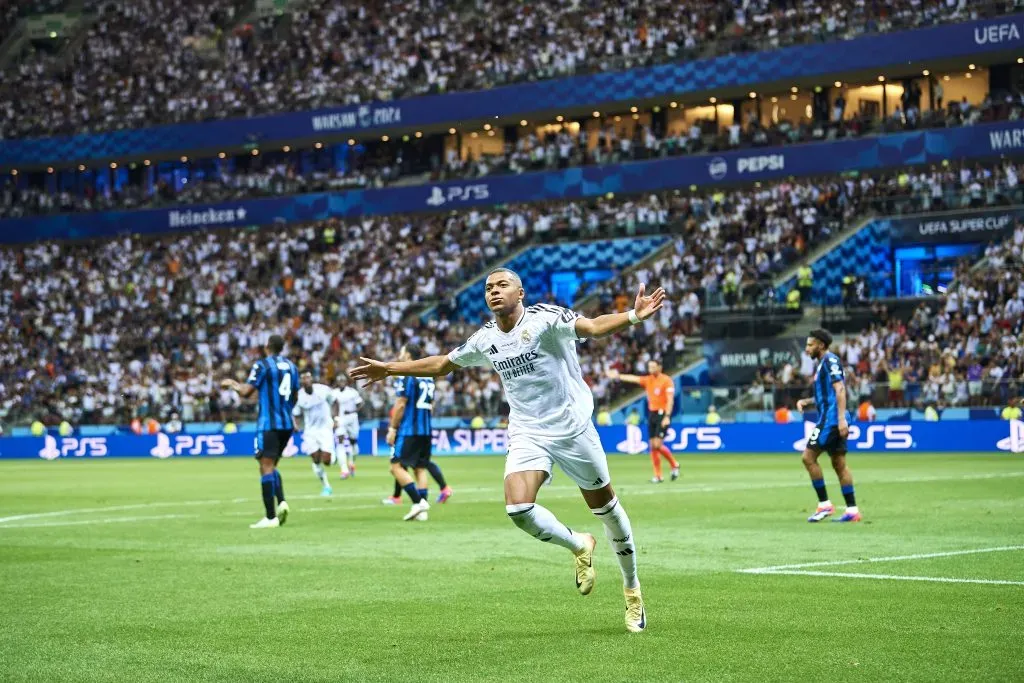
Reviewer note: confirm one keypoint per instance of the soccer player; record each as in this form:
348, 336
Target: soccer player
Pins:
534, 350
410, 433
347, 405
831, 430
313, 411
395, 417
276, 380
661, 391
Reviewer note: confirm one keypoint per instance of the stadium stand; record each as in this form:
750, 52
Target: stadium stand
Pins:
151, 61
114, 329
545, 148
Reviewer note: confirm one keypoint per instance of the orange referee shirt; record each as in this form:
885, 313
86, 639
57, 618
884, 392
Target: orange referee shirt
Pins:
660, 389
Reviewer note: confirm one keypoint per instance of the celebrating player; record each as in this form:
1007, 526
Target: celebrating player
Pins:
347, 402
660, 392
276, 380
534, 351
313, 410
831, 430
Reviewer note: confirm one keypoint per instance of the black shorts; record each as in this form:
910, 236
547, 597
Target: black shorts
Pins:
828, 439
654, 428
412, 451
271, 443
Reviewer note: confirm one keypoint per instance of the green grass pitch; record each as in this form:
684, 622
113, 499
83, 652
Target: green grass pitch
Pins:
146, 570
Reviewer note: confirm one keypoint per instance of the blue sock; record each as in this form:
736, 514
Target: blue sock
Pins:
819, 488
851, 500
267, 484
435, 472
423, 493
414, 495
278, 487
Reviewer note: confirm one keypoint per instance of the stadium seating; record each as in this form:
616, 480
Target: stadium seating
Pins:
110, 330
377, 164
148, 62
964, 349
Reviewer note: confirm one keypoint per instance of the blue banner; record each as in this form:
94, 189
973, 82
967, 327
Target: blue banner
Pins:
983, 436
746, 166
833, 60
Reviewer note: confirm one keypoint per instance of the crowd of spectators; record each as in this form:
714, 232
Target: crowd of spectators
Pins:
162, 61
380, 164
110, 330
964, 350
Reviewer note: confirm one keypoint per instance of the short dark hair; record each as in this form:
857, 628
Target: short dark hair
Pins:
275, 344
414, 350
307, 371
514, 274
823, 336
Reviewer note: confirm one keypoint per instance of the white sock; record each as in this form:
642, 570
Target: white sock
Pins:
320, 473
620, 534
540, 523
852, 509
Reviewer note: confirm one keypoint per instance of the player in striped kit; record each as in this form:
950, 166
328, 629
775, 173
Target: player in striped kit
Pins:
313, 413
276, 380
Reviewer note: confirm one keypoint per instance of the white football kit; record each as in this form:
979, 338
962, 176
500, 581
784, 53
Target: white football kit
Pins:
317, 419
348, 400
550, 404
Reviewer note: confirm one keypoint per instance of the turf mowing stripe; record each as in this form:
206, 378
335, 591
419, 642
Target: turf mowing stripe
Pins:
559, 492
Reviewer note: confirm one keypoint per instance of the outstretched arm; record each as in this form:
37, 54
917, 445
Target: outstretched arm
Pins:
376, 370
632, 379
604, 325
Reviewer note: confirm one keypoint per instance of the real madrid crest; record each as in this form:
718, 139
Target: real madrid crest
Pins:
525, 336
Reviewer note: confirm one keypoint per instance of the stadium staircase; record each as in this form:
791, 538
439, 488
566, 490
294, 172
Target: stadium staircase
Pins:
819, 251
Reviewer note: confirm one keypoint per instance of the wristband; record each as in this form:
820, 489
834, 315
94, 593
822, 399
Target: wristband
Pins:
634, 319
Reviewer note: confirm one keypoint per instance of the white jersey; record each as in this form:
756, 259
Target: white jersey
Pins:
315, 408
348, 400
539, 369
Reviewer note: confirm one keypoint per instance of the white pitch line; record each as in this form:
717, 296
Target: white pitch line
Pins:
558, 491
889, 577
102, 520
779, 569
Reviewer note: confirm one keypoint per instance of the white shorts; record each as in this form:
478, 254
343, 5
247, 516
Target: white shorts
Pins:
581, 457
314, 440
349, 426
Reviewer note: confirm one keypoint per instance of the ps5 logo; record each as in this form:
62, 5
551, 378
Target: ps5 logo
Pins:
457, 193
92, 446
1015, 441
203, 444
705, 438
878, 437
634, 442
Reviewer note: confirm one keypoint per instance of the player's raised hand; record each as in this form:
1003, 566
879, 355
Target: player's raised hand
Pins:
646, 306
373, 371
612, 373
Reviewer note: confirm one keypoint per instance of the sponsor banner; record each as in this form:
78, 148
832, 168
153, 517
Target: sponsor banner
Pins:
160, 446
963, 226
988, 436
702, 76
821, 158
734, 362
